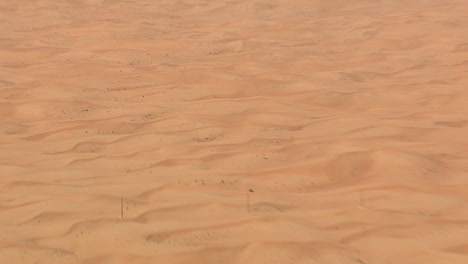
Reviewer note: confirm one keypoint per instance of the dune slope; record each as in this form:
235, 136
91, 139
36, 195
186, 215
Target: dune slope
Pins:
195, 131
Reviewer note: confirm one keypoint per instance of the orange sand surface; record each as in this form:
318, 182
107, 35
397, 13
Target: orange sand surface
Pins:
234, 132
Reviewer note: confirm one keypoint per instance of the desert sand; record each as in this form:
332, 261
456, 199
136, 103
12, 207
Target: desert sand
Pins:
234, 132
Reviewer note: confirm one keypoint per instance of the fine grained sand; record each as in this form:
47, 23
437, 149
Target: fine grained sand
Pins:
348, 120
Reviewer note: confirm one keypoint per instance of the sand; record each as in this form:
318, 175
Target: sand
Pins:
234, 132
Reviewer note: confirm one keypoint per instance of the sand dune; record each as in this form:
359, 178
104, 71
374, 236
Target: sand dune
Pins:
321, 131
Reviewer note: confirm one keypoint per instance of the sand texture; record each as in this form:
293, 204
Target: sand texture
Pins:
233, 132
